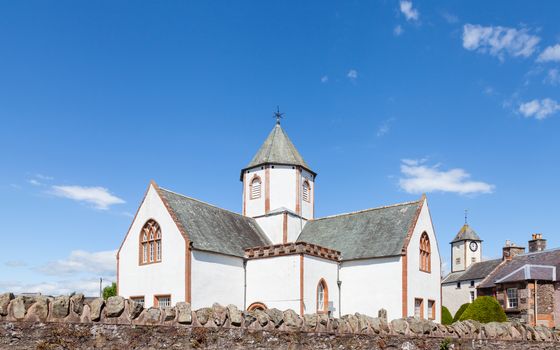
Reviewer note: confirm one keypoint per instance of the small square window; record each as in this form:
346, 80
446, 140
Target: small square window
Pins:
472, 283
458, 284
162, 301
457, 261
512, 298
139, 300
472, 296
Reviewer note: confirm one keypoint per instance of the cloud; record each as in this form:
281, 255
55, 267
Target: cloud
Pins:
552, 77
98, 196
88, 286
539, 109
497, 41
385, 127
15, 263
420, 178
410, 13
80, 261
550, 54
398, 30
43, 177
324, 78
34, 182
449, 17
352, 74
488, 90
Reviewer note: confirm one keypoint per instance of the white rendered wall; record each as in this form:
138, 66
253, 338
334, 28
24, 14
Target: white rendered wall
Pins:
254, 207
421, 284
273, 227
458, 251
282, 187
372, 284
274, 282
307, 210
165, 277
453, 297
216, 278
313, 270
295, 226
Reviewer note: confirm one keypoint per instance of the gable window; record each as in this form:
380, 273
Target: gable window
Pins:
255, 188
425, 258
512, 299
322, 297
306, 193
162, 300
150, 243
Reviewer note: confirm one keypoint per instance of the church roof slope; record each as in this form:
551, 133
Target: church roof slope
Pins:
214, 229
277, 149
538, 265
368, 233
476, 271
466, 233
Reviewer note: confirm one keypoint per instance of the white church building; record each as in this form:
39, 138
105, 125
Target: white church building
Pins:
276, 254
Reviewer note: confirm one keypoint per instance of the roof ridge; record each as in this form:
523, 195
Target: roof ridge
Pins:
369, 209
539, 252
203, 202
274, 131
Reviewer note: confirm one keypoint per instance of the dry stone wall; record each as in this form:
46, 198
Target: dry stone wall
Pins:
74, 322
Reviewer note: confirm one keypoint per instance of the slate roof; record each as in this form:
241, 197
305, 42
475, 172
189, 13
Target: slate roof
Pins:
466, 232
508, 269
277, 149
476, 271
214, 229
368, 233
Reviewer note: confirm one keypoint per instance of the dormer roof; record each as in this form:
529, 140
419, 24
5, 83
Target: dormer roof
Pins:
466, 233
277, 149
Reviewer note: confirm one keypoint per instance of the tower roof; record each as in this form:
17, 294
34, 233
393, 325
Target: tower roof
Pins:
277, 149
466, 233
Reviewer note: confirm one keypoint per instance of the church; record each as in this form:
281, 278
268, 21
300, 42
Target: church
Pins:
276, 253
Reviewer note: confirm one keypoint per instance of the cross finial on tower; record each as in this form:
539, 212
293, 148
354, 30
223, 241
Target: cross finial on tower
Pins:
466, 216
278, 115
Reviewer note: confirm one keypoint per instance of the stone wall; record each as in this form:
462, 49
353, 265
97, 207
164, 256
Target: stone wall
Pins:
72, 322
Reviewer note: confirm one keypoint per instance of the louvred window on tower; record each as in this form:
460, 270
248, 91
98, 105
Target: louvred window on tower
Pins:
255, 188
306, 193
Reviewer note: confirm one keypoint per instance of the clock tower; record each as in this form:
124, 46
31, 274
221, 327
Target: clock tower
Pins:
466, 249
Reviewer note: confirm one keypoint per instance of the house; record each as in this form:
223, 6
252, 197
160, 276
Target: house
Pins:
276, 253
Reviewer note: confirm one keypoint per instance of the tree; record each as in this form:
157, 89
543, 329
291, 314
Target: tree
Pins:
110, 291
446, 317
484, 310
460, 312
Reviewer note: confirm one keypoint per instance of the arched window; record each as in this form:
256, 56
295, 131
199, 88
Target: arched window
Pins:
255, 188
150, 243
306, 193
425, 255
322, 297
257, 306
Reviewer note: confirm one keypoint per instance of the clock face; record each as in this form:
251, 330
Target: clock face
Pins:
473, 246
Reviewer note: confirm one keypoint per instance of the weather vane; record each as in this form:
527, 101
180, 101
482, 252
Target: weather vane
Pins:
278, 115
466, 216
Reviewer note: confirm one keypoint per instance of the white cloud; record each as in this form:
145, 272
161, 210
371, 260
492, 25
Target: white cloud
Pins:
43, 177
80, 261
100, 197
539, 109
551, 53
398, 30
420, 178
324, 78
449, 17
34, 182
497, 41
410, 13
552, 77
352, 74
385, 127
88, 286
15, 263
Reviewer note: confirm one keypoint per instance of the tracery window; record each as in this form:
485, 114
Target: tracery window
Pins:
255, 188
425, 253
150, 243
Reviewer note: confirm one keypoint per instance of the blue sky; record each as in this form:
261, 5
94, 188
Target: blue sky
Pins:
456, 99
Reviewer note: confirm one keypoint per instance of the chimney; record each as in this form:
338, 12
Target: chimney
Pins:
510, 250
537, 244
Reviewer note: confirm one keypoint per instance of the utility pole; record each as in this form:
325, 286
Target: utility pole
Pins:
100, 288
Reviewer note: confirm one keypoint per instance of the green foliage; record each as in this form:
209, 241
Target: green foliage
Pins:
110, 291
445, 344
484, 310
446, 317
460, 312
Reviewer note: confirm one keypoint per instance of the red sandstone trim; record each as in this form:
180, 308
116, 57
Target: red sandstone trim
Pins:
292, 249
